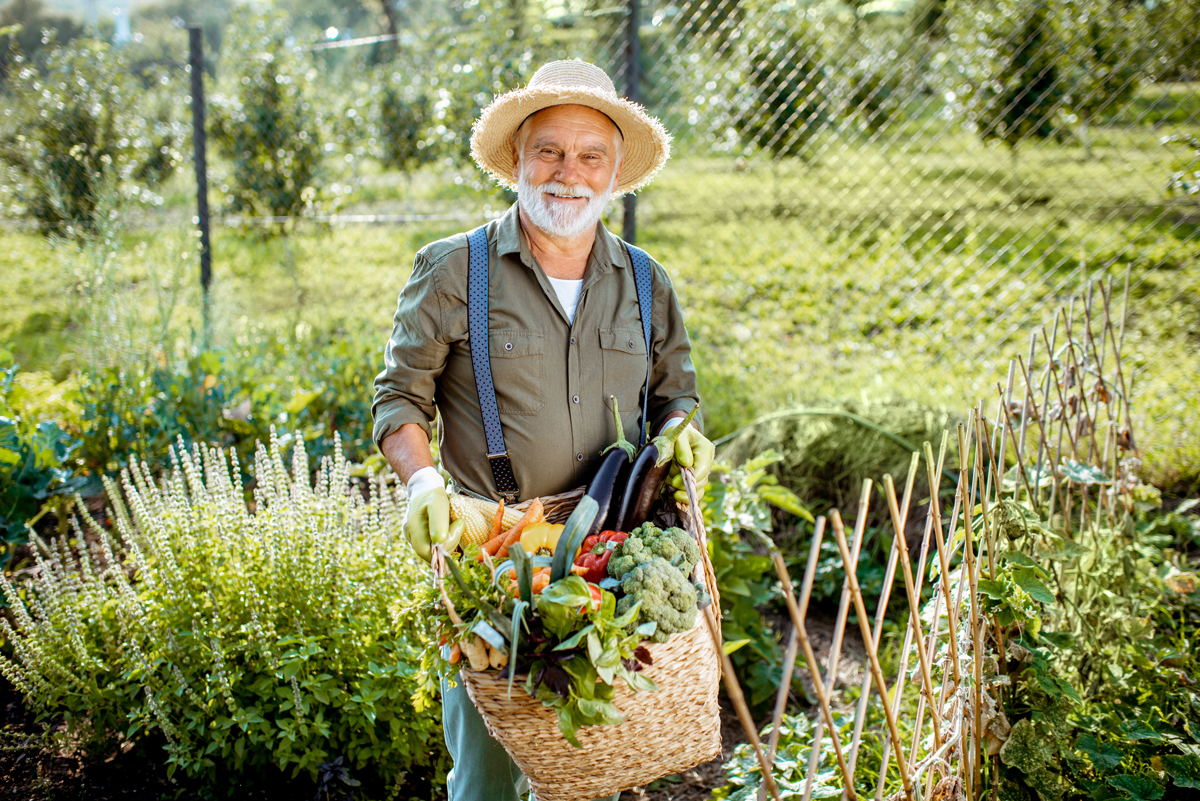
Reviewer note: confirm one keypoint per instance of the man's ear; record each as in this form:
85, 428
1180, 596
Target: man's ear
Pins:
516, 157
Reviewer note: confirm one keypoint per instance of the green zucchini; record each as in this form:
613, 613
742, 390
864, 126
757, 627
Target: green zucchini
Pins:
573, 534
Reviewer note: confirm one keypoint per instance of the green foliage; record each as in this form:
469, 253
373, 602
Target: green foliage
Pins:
827, 451
796, 732
737, 513
317, 385
34, 462
1185, 175
80, 129
259, 641
23, 22
744, 774
1103, 625
404, 117
1111, 56
1019, 57
782, 103
263, 123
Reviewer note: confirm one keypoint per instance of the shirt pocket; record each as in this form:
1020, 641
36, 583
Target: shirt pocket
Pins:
517, 370
623, 353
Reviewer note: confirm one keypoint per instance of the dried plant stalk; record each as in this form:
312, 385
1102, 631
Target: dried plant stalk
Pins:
872, 654
814, 667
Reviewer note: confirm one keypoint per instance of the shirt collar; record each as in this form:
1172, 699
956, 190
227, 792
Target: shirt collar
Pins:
606, 251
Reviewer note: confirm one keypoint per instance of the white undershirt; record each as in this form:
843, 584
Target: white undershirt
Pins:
568, 292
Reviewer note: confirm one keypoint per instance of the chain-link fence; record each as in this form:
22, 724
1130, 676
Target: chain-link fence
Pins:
867, 196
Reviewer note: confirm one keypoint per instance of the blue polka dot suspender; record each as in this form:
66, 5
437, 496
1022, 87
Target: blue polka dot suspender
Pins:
477, 316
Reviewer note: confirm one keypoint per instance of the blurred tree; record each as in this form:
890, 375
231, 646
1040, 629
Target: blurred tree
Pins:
718, 22
1175, 39
782, 103
79, 138
263, 122
403, 117
23, 23
1108, 60
1006, 68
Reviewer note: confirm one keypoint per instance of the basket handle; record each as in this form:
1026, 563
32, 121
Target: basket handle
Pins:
704, 572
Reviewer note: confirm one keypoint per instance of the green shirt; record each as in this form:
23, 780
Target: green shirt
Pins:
553, 378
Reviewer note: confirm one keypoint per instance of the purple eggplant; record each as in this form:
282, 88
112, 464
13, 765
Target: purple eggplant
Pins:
609, 480
647, 476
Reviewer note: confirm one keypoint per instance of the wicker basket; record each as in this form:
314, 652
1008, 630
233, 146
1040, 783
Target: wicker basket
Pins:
666, 731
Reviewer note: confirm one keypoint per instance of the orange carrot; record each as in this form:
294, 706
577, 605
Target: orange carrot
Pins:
498, 521
491, 547
534, 514
455, 654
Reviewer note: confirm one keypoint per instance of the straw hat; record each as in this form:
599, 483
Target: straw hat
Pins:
561, 83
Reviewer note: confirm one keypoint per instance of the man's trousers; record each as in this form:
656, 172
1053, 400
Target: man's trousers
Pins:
483, 770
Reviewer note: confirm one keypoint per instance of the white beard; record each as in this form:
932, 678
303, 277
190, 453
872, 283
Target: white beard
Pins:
563, 223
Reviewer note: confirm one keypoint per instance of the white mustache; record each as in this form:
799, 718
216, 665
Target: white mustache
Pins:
562, 190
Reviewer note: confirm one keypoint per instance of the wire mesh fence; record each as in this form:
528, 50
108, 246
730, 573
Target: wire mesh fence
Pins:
865, 189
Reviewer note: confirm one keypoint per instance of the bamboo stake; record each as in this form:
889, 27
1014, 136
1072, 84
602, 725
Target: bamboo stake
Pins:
814, 668
781, 699
1027, 401
943, 561
872, 654
976, 639
860, 715
839, 630
732, 687
1037, 413
914, 608
1008, 426
1117, 345
1083, 404
734, 690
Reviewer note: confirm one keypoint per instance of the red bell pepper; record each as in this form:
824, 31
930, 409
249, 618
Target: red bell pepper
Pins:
595, 553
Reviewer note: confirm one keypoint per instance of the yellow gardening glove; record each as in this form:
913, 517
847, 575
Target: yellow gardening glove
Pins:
694, 450
427, 518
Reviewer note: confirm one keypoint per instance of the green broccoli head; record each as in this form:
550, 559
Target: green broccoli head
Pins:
676, 546
666, 595
646, 542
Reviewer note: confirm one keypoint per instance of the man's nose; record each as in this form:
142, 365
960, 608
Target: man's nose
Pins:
568, 171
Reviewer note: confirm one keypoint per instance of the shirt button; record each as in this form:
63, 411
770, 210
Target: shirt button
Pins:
572, 340
579, 457
575, 399
508, 346
631, 343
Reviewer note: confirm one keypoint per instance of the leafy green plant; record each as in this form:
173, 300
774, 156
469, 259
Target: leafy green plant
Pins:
34, 464
737, 511
257, 640
1102, 625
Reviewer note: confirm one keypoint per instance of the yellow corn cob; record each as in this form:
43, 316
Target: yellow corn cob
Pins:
488, 510
477, 529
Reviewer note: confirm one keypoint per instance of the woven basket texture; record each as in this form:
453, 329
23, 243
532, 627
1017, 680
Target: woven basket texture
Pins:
674, 728
666, 731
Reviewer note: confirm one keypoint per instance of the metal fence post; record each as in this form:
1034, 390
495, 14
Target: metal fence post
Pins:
633, 55
196, 63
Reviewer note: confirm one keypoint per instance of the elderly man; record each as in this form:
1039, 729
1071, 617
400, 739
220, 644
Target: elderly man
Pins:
519, 332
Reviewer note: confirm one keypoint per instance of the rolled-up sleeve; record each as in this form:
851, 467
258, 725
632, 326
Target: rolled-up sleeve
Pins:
414, 357
672, 376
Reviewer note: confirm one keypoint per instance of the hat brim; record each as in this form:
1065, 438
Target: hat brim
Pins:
647, 143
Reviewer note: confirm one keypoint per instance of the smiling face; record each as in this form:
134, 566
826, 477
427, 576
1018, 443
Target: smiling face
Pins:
568, 159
